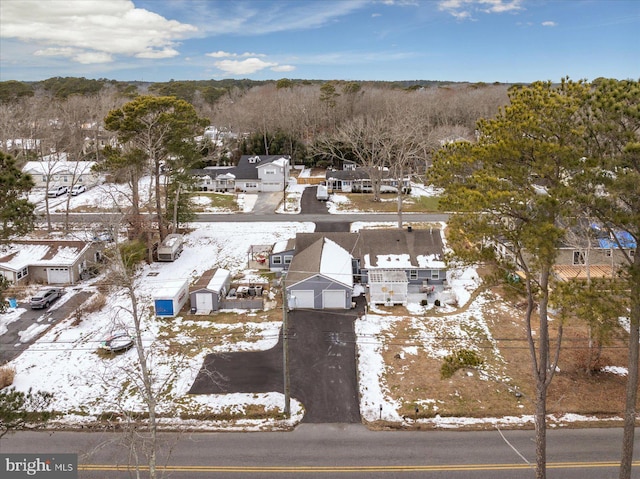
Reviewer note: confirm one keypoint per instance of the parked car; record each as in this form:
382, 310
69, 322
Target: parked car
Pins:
45, 297
77, 189
57, 191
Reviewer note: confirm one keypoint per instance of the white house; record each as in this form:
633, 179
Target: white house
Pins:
254, 173
58, 171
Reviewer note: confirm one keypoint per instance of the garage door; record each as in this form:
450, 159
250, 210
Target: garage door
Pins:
204, 302
58, 275
304, 299
333, 299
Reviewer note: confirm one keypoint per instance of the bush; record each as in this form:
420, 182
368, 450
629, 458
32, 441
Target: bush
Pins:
464, 358
7, 373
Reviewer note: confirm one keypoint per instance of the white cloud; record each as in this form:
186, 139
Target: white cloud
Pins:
91, 31
549, 24
244, 67
222, 54
466, 8
283, 68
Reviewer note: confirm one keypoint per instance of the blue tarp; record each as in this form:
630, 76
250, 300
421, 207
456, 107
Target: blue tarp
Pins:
624, 238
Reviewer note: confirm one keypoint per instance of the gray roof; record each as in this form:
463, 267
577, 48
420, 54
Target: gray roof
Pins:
244, 170
378, 242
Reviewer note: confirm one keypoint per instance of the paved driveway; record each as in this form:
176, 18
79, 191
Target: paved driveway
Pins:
12, 343
322, 360
267, 203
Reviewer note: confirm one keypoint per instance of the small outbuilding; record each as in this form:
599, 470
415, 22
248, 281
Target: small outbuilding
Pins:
210, 290
169, 299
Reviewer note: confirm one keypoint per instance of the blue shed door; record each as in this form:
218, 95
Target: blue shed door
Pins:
164, 307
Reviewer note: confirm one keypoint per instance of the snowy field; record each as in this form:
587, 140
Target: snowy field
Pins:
85, 384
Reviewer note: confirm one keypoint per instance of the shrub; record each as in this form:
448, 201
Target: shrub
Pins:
7, 373
96, 303
463, 358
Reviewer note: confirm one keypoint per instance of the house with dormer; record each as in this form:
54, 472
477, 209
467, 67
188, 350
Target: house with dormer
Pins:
253, 173
388, 261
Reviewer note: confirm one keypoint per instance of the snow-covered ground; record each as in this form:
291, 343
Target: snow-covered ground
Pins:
85, 384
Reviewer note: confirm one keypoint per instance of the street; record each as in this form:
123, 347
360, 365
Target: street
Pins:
340, 450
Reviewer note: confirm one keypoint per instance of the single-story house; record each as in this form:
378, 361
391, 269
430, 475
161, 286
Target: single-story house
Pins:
47, 261
61, 172
209, 291
377, 258
253, 173
320, 277
357, 180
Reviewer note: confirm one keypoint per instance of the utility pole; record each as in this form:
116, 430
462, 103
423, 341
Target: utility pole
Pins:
285, 351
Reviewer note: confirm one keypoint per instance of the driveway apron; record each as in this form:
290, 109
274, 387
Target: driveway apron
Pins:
322, 365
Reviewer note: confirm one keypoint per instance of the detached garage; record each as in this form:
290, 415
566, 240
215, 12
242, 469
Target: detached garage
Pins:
320, 277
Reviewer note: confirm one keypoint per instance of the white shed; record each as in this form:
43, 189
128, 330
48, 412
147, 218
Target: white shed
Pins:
204, 299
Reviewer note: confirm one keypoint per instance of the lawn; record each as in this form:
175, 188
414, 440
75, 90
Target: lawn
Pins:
389, 203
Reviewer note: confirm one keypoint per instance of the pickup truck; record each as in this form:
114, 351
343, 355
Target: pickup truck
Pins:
45, 297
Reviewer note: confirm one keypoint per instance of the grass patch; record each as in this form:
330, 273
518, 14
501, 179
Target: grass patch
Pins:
209, 199
414, 380
389, 203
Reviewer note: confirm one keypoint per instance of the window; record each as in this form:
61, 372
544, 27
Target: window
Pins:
276, 260
413, 274
270, 172
435, 274
22, 273
578, 257
632, 253
287, 259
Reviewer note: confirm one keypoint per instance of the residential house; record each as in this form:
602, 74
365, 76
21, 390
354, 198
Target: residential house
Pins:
597, 255
255, 173
320, 277
357, 180
590, 252
48, 261
58, 171
386, 260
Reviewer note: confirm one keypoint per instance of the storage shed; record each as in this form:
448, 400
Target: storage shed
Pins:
169, 298
206, 297
388, 287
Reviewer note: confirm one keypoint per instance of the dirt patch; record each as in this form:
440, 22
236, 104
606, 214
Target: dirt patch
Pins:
503, 385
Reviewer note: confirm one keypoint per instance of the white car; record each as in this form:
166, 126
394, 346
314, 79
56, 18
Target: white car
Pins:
57, 191
77, 189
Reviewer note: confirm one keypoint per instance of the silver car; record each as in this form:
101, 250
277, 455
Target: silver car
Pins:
45, 297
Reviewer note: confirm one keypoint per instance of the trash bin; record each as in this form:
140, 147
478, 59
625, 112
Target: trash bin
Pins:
13, 303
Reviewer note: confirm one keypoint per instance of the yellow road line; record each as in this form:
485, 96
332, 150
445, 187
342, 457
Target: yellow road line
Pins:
346, 469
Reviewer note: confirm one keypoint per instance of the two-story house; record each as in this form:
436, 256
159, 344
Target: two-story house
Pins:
253, 173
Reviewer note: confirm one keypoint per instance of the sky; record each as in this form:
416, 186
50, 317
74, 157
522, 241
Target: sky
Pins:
385, 40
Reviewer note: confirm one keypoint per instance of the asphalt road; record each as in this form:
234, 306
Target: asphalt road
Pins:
342, 451
110, 218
